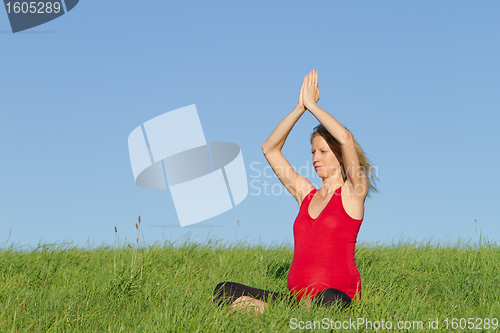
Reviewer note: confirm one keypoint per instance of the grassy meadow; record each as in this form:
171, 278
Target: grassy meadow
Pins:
168, 288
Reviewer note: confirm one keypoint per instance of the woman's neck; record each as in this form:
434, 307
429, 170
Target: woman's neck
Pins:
330, 184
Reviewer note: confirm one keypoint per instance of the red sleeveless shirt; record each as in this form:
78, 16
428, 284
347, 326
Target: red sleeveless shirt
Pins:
324, 250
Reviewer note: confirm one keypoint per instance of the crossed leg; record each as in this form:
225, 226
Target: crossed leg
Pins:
255, 300
241, 296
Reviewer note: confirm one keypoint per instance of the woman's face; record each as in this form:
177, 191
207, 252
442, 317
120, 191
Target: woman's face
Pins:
324, 160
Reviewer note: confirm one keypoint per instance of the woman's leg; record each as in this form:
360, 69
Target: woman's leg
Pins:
241, 296
331, 296
229, 292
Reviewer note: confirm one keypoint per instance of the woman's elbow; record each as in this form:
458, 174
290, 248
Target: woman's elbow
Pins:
268, 147
265, 148
346, 137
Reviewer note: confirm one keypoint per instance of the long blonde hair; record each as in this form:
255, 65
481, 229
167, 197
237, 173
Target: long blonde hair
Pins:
364, 162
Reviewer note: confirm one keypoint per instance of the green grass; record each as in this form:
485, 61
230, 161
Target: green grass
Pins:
168, 288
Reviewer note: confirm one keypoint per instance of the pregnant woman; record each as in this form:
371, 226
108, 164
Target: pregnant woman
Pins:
325, 230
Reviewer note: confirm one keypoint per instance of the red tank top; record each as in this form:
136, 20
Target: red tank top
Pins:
324, 250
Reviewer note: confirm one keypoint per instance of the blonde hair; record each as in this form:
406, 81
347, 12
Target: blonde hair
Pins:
364, 162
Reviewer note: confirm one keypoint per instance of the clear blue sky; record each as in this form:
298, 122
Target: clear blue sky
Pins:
417, 83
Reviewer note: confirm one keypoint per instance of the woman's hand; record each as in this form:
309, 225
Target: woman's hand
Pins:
300, 104
310, 90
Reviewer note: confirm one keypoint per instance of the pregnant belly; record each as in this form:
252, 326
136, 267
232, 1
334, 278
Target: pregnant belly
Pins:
308, 280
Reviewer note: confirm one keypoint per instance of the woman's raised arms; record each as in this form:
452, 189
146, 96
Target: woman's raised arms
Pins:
355, 175
297, 185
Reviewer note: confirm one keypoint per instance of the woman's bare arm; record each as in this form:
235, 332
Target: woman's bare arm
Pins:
298, 186
276, 140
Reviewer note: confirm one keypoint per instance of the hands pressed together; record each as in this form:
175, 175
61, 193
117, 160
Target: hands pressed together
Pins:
309, 92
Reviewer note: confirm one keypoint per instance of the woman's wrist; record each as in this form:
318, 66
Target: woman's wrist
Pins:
300, 108
310, 106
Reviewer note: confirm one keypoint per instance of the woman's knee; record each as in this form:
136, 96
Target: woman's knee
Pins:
222, 293
219, 287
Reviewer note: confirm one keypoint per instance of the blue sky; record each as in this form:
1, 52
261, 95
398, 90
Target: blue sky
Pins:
417, 83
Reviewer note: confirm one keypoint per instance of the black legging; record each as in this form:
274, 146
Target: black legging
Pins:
228, 292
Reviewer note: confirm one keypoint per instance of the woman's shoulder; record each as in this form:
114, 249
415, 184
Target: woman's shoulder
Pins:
354, 205
307, 193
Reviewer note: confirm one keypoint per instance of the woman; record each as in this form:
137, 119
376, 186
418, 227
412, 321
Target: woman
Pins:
329, 219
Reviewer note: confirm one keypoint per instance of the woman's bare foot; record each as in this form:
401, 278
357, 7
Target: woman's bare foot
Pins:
251, 305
